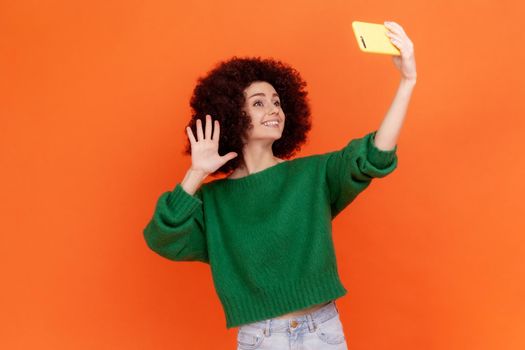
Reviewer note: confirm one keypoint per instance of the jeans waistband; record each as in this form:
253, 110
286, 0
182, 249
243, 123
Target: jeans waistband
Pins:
295, 323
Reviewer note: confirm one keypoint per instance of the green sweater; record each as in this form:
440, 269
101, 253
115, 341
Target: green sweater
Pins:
268, 236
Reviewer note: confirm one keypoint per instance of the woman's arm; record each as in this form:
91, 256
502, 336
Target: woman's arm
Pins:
177, 229
388, 133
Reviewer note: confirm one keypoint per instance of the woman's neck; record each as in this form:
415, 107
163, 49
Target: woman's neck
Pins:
242, 170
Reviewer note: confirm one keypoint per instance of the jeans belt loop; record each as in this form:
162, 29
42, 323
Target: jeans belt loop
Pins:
311, 323
267, 328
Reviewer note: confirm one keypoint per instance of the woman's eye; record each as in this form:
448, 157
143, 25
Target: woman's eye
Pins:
256, 102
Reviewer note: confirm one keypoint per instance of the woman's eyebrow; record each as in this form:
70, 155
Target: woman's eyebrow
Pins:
262, 94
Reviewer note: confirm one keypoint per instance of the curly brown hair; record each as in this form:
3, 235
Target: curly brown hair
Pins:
220, 93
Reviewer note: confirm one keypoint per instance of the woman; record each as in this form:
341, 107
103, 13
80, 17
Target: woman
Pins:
265, 229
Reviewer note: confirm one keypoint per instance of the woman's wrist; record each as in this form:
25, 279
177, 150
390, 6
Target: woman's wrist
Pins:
409, 81
192, 180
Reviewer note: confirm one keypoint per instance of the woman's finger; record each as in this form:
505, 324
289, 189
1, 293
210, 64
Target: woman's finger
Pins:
208, 127
397, 34
395, 39
200, 134
395, 27
216, 131
190, 135
398, 30
394, 36
401, 40
397, 43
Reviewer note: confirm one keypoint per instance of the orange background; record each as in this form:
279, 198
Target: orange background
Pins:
94, 100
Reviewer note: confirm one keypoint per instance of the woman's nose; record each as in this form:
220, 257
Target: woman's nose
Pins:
273, 109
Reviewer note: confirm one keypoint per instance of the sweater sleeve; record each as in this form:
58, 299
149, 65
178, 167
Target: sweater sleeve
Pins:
350, 170
177, 231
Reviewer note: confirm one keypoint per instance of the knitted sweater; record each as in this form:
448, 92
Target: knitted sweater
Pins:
268, 236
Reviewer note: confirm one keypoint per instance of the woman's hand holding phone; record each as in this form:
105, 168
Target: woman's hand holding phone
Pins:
388, 38
406, 62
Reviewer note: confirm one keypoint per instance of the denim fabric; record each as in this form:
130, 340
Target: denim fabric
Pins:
319, 330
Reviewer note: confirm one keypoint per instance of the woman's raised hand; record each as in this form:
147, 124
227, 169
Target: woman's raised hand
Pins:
406, 62
205, 149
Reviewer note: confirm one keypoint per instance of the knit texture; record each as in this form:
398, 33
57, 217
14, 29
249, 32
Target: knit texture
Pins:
268, 236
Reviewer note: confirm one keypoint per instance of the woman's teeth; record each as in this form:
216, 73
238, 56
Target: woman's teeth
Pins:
271, 124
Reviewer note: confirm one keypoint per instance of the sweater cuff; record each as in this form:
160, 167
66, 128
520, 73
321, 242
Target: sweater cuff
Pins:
381, 159
182, 201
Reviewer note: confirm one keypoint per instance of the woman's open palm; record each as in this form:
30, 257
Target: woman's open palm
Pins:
205, 149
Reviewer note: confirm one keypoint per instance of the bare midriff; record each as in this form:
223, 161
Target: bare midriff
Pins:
302, 311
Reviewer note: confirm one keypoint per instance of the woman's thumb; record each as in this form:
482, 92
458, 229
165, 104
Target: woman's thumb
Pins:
230, 155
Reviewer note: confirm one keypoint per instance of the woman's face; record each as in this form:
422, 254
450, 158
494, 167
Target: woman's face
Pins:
263, 105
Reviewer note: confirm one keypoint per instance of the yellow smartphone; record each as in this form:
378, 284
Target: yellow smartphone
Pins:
371, 37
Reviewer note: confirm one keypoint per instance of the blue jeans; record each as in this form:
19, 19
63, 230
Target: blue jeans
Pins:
319, 330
